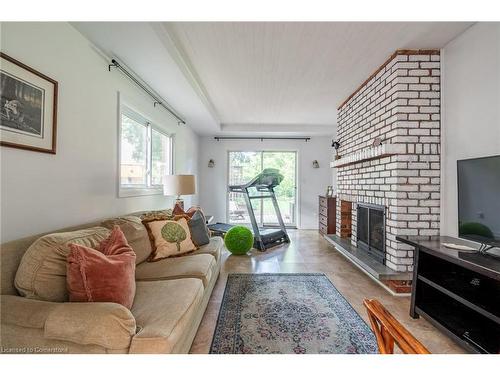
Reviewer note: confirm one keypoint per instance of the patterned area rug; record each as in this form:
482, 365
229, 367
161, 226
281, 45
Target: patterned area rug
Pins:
288, 313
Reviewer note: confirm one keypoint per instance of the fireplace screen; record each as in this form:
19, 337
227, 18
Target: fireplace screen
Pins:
371, 230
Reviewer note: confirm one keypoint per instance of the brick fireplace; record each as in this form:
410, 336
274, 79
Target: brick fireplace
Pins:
389, 135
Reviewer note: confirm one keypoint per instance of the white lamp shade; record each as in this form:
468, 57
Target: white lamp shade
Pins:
179, 184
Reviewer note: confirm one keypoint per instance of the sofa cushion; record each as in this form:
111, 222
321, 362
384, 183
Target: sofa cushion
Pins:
42, 272
214, 247
135, 233
103, 275
163, 311
200, 266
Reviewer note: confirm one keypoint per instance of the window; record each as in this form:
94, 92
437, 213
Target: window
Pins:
145, 155
243, 167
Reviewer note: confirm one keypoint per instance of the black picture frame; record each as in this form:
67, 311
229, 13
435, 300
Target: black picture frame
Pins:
28, 109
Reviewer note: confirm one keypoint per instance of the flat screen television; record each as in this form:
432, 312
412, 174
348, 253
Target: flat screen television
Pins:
479, 200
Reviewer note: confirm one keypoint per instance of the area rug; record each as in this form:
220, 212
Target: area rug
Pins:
300, 313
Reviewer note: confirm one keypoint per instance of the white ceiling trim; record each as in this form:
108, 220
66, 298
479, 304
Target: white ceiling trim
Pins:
172, 45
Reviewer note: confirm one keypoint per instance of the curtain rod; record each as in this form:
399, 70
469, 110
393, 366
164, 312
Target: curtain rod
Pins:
157, 99
262, 138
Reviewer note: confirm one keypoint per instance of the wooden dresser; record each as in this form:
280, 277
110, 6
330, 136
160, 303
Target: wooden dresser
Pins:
327, 217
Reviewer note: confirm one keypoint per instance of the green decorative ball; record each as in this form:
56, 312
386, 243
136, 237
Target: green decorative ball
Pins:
239, 240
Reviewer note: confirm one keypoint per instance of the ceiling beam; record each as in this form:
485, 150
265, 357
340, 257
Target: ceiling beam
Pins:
172, 45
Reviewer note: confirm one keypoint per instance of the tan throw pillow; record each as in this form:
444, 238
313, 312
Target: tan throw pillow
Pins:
135, 233
169, 237
42, 272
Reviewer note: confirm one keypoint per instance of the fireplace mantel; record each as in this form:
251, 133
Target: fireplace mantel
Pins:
369, 153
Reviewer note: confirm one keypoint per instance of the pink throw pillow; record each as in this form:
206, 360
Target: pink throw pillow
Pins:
103, 275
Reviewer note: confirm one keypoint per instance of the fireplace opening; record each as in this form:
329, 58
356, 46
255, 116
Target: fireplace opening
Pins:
371, 230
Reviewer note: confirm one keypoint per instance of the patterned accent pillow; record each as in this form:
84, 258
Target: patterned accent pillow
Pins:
169, 238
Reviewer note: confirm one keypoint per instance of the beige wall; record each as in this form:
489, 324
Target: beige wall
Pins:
41, 192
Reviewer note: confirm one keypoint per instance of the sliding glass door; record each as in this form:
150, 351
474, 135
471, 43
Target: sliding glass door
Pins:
244, 166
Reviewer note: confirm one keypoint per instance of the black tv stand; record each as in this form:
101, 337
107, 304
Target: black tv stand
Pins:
485, 248
457, 291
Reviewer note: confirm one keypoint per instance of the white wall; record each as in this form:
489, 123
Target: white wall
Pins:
470, 108
311, 181
41, 192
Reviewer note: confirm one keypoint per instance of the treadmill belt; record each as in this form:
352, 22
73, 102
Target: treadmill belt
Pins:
220, 227
269, 236
223, 228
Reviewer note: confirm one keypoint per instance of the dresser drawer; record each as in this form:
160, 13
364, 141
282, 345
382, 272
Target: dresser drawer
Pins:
323, 220
326, 215
323, 202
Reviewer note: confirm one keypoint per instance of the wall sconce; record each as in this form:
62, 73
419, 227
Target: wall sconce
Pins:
336, 146
315, 164
211, 163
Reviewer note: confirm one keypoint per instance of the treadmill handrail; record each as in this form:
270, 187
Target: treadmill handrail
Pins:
252, 183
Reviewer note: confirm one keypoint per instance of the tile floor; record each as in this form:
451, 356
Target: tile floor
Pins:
309, 252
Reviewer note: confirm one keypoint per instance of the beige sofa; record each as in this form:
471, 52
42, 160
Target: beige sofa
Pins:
171, 297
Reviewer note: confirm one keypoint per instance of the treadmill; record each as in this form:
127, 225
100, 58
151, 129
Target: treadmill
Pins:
265, 182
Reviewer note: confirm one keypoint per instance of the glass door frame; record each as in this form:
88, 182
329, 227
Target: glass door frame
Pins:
260, 220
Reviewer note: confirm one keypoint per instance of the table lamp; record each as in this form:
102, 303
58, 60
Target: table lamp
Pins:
177, 185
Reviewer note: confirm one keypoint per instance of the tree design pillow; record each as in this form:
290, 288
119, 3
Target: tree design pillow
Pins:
169, 237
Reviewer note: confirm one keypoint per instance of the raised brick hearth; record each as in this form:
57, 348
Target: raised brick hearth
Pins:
400, 104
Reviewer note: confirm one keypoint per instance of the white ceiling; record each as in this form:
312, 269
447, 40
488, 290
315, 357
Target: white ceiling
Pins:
279, 78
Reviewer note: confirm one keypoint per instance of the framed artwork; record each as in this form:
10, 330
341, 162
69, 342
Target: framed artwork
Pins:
28, 107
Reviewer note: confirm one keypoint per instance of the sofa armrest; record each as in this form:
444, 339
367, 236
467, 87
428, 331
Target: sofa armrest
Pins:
109, 325
25, 312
